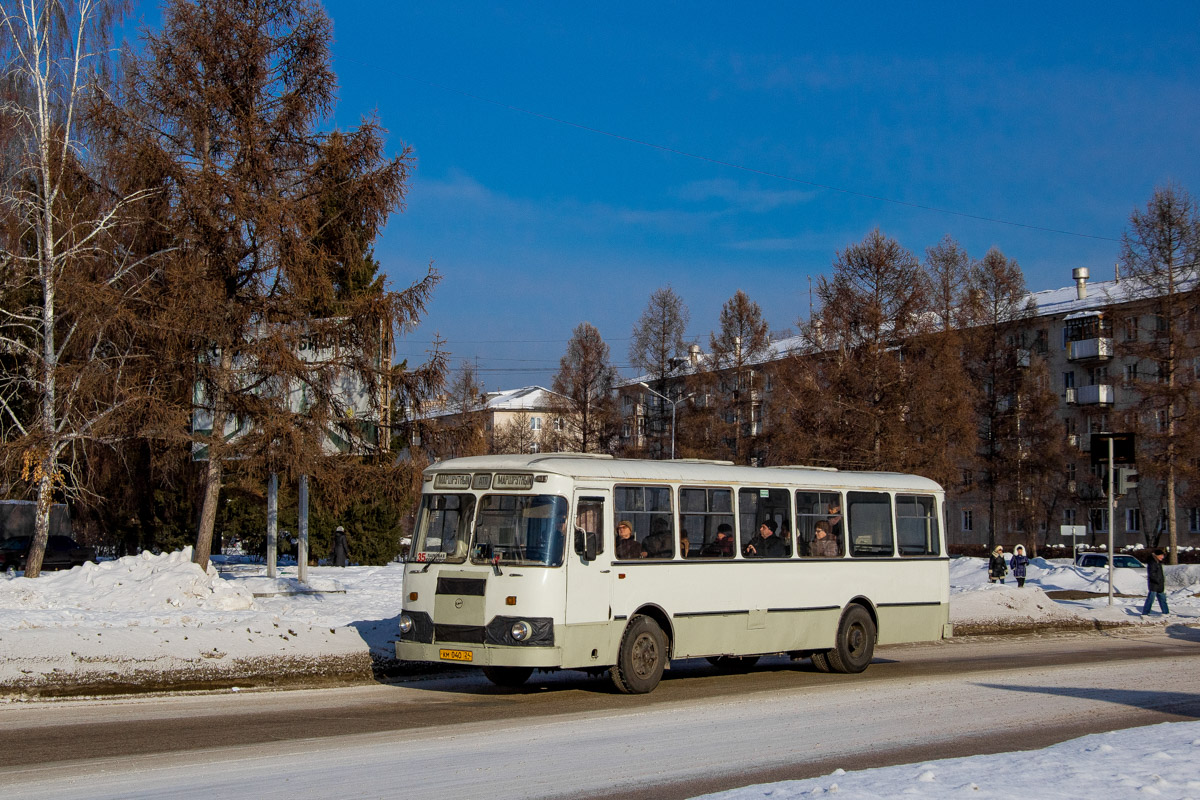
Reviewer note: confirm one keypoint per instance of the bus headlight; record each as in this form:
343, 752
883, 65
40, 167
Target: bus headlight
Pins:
521, 630
405, 624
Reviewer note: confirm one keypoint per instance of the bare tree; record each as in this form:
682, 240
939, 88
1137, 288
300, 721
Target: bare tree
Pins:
584, 382
856, 397
228, 98
1160, 255
461, 431
724, 416
657, 349
998, 361
516, 436
67, 318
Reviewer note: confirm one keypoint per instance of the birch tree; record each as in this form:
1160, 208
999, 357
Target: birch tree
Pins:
66, 320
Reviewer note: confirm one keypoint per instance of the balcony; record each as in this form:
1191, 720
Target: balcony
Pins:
1101, 394
1090, 350
1070, 396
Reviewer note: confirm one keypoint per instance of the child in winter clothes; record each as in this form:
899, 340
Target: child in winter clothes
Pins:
1018, 563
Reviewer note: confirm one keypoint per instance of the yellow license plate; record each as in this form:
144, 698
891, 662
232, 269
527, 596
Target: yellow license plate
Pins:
456, 655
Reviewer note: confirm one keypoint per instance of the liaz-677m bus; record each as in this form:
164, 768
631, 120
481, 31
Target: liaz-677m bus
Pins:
567, 561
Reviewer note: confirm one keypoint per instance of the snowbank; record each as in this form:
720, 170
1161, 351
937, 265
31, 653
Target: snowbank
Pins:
154, 621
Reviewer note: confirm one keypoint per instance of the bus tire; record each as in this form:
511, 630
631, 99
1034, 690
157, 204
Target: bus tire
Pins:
642, 658
733, 664
508, 677
855, 646
820, 661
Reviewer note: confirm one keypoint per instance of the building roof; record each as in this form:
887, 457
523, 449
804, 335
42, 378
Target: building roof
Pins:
527, 398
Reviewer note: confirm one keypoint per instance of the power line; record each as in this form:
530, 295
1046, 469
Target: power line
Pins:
730, 164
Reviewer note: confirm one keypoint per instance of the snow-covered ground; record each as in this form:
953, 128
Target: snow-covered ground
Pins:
137, 619
1156, 761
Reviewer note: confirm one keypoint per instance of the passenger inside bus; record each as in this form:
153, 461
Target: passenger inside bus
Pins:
722, 546
766, 544
823, 544
658, 544
627, 546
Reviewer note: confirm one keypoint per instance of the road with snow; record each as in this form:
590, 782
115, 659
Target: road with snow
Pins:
568, 735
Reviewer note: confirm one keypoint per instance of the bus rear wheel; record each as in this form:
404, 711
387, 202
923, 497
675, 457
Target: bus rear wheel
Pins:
642, 658
733, 663
508, 677
855, 645
820, 661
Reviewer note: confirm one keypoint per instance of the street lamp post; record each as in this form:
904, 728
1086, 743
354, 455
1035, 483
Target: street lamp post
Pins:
673, 403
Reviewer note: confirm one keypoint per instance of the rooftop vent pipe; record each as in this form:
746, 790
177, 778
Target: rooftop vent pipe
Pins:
1080, 274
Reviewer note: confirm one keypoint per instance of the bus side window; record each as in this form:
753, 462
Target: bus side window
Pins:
870, 523
589, 527
917, 525
649, 509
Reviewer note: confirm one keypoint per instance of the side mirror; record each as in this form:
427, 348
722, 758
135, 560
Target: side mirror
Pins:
585, 544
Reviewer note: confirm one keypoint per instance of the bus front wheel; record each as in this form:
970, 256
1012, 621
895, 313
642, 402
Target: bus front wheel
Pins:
508, 677
855, 645
642, 658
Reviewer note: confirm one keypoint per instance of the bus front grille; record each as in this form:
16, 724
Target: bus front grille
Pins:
466, 634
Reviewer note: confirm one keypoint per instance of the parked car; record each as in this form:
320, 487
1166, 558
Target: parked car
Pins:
1120, 560
62, 552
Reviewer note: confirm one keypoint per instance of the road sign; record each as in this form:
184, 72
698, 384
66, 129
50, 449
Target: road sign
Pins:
1122, 448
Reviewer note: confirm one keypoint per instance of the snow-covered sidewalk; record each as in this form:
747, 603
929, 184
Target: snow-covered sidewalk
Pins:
159, 621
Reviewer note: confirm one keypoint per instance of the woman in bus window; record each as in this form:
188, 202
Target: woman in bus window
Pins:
627, 546
823, 544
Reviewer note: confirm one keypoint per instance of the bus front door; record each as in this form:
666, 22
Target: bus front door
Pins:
589, 580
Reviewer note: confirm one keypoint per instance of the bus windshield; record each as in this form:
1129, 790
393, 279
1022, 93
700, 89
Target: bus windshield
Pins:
527, 530
443, 528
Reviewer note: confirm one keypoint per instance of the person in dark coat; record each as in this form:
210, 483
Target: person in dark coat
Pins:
627, 546
997, 567
1156, 584
722, 546
766, 544
1018, 564
341, 548
658, 544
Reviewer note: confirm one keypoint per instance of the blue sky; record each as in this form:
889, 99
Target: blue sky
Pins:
573, 158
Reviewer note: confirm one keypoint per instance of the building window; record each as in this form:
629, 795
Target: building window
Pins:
1098, 376
1133, 520
1068, 516
968, 521
559, 424
1069, 379
1131, 374
1194, 520
535, 423
1070, 470
1099, 519
1131, 329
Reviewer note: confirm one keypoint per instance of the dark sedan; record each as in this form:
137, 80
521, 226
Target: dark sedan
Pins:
62, 552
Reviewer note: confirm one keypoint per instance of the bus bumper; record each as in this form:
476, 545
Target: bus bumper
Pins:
480, 655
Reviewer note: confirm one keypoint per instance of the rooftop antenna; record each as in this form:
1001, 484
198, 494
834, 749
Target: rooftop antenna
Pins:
1117, 271
810, 297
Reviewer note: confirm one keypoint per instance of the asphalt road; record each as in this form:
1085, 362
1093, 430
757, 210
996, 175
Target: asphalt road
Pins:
568, 735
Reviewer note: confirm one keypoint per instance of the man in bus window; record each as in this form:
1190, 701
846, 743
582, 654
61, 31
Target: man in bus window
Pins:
658, 544
835, 518
722, 546
823, 545
766, 544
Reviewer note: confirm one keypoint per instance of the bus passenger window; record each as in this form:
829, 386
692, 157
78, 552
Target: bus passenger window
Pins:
648, 509
819, 510
917, 525
757, 507
870, 524
706, 516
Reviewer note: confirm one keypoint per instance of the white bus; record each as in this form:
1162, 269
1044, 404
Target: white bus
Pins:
514, 566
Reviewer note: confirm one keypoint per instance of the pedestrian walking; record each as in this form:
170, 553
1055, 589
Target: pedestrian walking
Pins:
997, 568
341, 548
1018, 564
1156, 585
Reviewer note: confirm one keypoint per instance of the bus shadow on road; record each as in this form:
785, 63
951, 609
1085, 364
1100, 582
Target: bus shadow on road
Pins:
1185, 704
1184, 633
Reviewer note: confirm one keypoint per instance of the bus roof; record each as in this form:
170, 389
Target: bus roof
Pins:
582, 466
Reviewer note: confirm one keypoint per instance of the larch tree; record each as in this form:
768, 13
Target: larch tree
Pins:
858, 382
272, 223
72, 372
656, 349
1160, 256
998, 364
724, 418
584, 384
